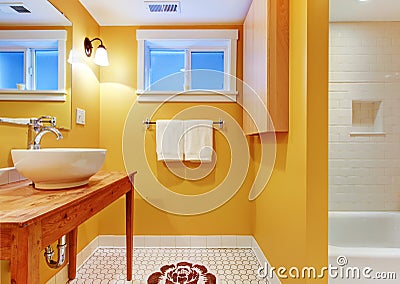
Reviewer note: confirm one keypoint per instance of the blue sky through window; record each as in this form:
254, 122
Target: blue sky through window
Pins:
11, 69
164, 63
46, 69
167, 62
207, 60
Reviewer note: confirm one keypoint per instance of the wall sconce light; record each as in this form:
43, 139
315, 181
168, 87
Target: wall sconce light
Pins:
101, 56
73, 57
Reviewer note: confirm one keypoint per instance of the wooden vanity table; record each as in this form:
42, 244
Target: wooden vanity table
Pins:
31, 219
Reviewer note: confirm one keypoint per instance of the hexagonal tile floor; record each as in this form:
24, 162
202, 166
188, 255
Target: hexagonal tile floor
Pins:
228, 265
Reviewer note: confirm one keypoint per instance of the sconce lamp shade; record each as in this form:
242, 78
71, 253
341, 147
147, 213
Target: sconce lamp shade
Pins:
101, 56
73, 57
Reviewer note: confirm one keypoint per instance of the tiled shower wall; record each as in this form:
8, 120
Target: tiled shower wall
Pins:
364, 116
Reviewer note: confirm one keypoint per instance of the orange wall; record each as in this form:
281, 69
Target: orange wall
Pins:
85, 95
291, 213
289, 219
118, 86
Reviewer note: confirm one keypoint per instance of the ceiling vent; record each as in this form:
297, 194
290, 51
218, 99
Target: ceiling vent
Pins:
20, 9
14, 8
163, 7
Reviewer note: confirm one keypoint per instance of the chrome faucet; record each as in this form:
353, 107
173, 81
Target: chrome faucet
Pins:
42, 131
36, 128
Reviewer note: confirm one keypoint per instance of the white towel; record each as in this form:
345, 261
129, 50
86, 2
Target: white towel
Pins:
169, 140
198, 146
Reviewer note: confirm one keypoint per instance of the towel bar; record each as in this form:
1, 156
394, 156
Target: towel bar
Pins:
147, 123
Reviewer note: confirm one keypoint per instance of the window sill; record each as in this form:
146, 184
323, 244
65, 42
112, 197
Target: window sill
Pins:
32, 95
188, 96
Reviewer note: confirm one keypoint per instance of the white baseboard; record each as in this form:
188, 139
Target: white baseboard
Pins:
107, 241
263, 261
178, 241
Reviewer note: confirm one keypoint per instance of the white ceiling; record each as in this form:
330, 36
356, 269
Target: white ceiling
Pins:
134, 12
370, 10
193, 12
42, 14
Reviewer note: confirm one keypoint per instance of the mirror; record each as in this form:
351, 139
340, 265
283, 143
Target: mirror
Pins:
39, 43
32, 62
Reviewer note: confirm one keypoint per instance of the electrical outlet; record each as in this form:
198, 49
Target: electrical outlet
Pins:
80, 116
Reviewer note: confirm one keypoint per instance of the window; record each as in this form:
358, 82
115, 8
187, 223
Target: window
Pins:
207, 60
161, 64
34, 67
196, 64
11, 69
32, 61
45, 62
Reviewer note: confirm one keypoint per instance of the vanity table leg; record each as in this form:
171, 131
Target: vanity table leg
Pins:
129, 233
72, 251
25, 253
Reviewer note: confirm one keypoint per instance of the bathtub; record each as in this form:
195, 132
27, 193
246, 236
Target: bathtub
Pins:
365, 240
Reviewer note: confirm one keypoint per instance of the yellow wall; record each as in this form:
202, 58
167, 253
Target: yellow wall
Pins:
291, 213
117, 89
85, 94
289, 220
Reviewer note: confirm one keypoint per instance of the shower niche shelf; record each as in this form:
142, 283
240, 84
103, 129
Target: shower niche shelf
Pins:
355, 133
367, 118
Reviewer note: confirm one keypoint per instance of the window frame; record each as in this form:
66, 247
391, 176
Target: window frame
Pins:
190, 41
30, 36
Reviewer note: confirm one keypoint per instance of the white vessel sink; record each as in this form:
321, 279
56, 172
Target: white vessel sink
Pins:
58, 168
